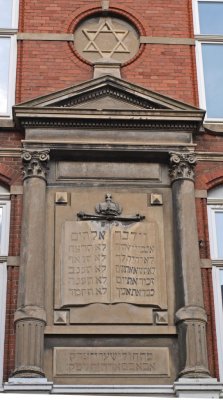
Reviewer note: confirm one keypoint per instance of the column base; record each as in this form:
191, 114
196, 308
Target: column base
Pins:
198, 388
28, 372
194, 373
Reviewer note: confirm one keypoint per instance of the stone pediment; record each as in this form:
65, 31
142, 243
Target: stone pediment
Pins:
105, 98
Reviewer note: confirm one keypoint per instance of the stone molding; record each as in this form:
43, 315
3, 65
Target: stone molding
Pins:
190, 388
191, 313
182, 166
69, 37
110, 123
35, 163
30, 312
114, 92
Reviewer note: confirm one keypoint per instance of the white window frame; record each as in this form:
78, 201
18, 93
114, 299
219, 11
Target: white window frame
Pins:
5, 206
212, 210
3, 289
216, 205
200, 40
11, 33
218, 316
4, 245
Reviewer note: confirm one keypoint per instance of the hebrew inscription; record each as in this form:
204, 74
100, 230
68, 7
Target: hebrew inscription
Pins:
134, 264
149, 361
85, 263
110, 263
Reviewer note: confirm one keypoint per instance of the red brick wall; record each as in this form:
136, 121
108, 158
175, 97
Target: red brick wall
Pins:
208, 175
47, 66
10, 174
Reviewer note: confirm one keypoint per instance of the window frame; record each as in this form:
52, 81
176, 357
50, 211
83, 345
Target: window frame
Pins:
218, 315
4, 242
201, 39
215, 205
11, 33
5, 205
3, 290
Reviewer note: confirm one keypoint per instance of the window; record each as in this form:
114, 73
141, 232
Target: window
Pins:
4, 239
208, 16
215, 222
8, 30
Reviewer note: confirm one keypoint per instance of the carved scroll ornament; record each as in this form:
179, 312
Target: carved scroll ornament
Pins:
35, 163
182, 166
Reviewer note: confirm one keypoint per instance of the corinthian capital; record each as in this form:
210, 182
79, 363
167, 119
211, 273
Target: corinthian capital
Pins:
182, 166
35, 163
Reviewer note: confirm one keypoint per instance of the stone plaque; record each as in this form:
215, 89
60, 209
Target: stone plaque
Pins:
143, 361
69, 170
104, 262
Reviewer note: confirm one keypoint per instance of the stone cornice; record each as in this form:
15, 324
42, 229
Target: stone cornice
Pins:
69, 118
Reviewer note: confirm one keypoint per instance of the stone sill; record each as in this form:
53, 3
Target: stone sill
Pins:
190, 388
214, 126
7, 123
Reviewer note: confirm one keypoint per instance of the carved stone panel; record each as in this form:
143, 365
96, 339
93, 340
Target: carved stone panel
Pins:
143, 361
110, 263
110, 259
106, 39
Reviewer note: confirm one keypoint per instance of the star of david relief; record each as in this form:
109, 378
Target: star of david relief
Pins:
106, 40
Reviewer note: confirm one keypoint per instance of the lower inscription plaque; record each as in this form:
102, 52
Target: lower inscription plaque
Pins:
148, 361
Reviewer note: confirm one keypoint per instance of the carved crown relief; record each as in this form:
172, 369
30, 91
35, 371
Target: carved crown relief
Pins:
110, 211
106, 39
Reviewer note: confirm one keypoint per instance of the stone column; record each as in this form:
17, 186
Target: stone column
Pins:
191, 316
30, 317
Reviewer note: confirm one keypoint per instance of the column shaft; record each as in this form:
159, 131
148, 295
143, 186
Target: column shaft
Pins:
30, 316
190, 316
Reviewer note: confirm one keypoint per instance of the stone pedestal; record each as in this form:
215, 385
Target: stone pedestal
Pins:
30, 315
191, 322
198, 388
191, 316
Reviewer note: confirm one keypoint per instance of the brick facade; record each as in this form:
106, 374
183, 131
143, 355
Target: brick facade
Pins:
47, 66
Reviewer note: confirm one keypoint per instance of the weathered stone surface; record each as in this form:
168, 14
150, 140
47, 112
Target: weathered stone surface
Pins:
147, 361
134, 264
110, 263
117, 314
191, 316
30, 317
70, 170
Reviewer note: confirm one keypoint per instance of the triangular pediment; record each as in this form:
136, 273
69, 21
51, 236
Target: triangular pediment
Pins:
108, 102
107, 93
